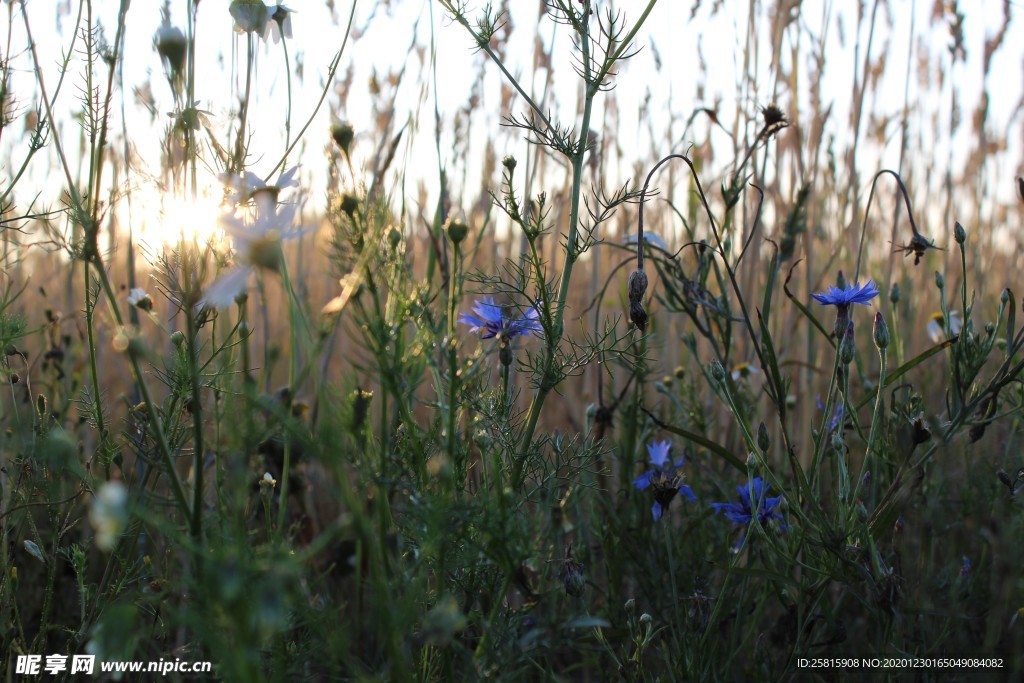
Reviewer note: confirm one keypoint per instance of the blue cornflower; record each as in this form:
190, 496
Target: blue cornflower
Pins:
842, 298
852, 294
493, 320
965, 568
745, 510
839, 416
665, 479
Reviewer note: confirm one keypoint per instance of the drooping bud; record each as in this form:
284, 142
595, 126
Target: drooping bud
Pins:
881, 332
637, 289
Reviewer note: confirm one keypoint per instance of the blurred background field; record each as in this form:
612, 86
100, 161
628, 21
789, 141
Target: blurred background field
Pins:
420, 519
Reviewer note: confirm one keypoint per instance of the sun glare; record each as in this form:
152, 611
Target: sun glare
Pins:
167, 219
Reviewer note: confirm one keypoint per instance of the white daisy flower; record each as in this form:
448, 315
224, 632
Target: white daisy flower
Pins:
257, 245
649, 237
280, 23
250, 16
140, 299
744, 371
937, 329
108, 514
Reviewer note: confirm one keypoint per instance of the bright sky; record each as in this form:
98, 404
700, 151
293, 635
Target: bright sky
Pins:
387, 32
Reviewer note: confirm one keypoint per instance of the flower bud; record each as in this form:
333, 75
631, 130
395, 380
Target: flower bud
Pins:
394, 237
841, 280
646, 619
1004, 297
881, 332
630, 606
894, 293
343, 134
457, 231
847, 347
959, 234
177, 338
572, 577
940, 281
509, 162
717, 371
171, 45
349, 204
764, 441
837, 441
751, 461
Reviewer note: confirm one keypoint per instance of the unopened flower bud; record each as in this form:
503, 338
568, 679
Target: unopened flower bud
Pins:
630, 606
509, 162
342, 134
959, 234
751, 461
940, 281
717, 371
847, 346
572, 577
764, 441
881, 332
646, 619
177, 338
394, 237
837, 441
894, 293
1004, 297
841, 280
349, 204
457, 231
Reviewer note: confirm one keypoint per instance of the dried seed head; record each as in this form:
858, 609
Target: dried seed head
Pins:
637, 289
774, 119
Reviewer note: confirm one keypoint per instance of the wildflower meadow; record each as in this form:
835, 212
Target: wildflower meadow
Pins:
566, 340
